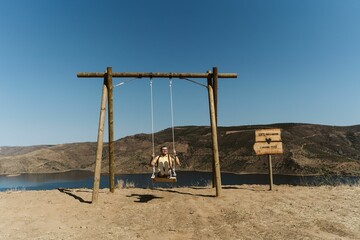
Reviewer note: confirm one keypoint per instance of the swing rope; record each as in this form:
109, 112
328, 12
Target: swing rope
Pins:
152, 118
172, 128
152, 126
172, 117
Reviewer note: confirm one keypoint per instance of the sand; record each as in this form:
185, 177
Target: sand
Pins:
242, 212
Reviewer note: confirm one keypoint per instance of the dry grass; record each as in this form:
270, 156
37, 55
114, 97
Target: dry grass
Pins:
121, 184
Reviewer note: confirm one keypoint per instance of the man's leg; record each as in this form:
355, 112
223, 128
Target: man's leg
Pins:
166, 168
162, 170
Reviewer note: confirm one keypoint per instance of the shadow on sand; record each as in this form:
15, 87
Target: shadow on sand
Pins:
68, 192
143, 198
184, 193
245, 188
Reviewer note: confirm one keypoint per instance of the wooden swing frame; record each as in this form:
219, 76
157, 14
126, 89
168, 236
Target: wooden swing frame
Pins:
107, 94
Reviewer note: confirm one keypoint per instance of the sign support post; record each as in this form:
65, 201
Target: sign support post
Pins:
270, 172
268, 142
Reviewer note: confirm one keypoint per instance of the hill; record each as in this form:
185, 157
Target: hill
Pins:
308, 149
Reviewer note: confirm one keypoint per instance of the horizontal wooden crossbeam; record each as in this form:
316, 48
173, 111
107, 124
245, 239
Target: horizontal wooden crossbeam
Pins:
153, 75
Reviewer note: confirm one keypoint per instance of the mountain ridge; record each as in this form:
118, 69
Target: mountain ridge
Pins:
308, 149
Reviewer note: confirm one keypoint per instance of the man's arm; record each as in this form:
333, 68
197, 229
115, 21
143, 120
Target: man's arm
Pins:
177, 160
153, 160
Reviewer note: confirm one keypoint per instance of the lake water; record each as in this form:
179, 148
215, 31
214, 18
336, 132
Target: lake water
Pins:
84, 179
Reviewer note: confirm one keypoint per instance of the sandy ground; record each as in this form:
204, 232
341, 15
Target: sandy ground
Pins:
242, 212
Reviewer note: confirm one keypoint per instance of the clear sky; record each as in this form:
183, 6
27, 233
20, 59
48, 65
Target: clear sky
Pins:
297, 61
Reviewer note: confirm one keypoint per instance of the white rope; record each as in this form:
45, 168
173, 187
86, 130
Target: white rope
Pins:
152, 127
172, 116
152, 118
172, 126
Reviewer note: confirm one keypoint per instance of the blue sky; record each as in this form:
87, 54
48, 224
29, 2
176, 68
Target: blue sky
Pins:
297, 61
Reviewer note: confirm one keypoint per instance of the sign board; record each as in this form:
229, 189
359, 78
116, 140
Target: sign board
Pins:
268, 141
268, 135
264, 148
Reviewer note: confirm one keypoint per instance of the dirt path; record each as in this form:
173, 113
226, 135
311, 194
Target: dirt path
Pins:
243, 212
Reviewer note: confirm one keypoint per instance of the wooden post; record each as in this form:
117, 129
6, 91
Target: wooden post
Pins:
210, 80
100, 141
214, 139
270, 172
111, 129
215, 89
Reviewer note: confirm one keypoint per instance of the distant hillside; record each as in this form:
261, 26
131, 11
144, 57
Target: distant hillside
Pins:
309, 149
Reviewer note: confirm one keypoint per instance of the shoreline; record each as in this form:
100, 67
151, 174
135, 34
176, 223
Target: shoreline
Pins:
185, 170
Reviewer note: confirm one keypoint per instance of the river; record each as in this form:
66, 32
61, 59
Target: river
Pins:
84, 179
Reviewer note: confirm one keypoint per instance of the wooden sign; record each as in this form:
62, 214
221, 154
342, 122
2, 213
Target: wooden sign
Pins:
268, 142
268, 135
264, 148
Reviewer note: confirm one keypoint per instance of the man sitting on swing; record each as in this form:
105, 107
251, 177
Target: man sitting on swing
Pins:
164, 162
